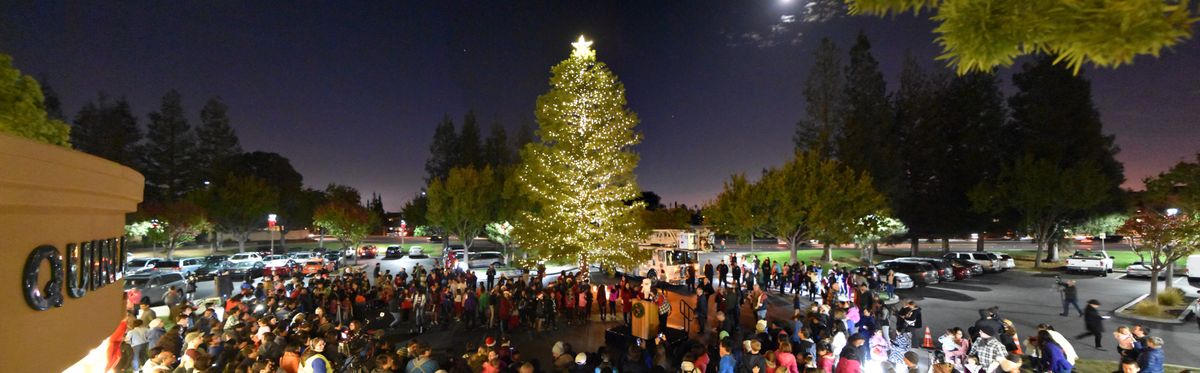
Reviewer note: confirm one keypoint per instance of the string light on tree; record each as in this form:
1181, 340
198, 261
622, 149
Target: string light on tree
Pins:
580, 173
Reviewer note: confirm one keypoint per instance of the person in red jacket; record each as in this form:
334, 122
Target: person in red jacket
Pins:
851, 361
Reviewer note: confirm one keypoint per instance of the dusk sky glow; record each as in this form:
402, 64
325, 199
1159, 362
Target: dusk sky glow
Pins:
351, 91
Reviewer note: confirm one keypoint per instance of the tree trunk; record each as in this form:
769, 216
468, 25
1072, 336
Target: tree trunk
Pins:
874, 249
242, 243
826, 255
945, 245
1037, 254
583, 263
792, 250
979, 244
914, 246
1052, 251
1170, 274
1153, 286
467, 252
752, 246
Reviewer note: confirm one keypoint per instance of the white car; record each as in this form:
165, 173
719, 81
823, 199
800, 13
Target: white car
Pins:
301, 257
140, 264
1006, 261
1140, 269
245, 257
278, 261
1193, 269
903, 281
481, 259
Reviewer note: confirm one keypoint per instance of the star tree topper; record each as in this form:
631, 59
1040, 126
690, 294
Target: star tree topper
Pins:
583, 48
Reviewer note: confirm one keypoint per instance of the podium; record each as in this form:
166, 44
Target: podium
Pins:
645, 319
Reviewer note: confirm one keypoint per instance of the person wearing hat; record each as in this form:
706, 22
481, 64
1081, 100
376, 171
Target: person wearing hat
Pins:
563, 358
582, 365
1093, 322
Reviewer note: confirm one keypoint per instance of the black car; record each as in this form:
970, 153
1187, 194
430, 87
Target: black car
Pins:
217, 259
393, 252
944, 270
208, 270
244, 271
922, 274
435, 238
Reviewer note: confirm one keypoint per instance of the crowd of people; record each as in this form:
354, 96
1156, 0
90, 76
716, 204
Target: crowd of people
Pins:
336, 321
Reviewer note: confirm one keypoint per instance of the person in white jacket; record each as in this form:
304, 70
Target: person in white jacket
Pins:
1067, 348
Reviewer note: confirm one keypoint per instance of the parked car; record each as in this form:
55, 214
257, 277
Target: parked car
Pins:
974, 268
1140, 269
481, 259
245, 271
281, 270
393, 252
366, 252
278, 260
166, 266
302, 256
315, 265
415, 250
435, 238
209, 270
989, 261
246, 258
139, 264
963, 270
903, 281
922, 274
153, 284
1193, 268
1006, 261
944, 270
1090, 261
215, 258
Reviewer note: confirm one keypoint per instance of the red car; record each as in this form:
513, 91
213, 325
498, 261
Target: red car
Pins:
281, 270
315, 265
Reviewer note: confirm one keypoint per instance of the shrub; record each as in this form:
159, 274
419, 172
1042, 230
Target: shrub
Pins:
1147, 308
1171, 297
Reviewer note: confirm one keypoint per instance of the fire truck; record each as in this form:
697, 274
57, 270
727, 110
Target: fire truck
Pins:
674, 250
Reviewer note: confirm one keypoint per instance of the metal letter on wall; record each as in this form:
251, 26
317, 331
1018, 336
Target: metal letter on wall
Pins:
76, 280
86, 268
50, 295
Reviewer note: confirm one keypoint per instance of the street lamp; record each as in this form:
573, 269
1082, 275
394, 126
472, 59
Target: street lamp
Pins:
271, 230
1172, 211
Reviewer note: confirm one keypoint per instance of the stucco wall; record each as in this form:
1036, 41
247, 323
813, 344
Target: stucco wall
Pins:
55, 196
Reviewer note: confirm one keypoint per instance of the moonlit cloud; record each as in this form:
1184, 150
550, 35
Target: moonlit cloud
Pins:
786, 30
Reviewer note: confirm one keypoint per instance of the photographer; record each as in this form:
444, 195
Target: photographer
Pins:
1070, 295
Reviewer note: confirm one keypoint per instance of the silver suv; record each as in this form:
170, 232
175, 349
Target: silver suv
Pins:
154, 285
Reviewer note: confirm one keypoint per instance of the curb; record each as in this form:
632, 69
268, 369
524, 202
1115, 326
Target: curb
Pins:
1179, 320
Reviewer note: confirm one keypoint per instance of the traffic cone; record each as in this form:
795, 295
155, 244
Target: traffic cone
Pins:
928, 341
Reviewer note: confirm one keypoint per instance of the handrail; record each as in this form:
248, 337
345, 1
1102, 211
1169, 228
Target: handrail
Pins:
688, 313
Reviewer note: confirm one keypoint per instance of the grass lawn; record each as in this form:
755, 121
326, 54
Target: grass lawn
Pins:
847, 257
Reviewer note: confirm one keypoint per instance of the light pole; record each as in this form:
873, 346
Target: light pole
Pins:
403, 232
271, 230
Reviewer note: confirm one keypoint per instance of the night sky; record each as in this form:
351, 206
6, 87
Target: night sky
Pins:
351, 91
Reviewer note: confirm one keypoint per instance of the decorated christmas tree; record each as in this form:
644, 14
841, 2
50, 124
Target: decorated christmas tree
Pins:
579, 175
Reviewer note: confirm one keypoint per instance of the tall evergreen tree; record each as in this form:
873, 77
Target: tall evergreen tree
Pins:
51, 102
823, 96
375, 205
916, 103
868, 142
470, 153
169, 153
1057, 125
580, 173
524, 136
108, 130
217, 140
496, 152
442, 152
